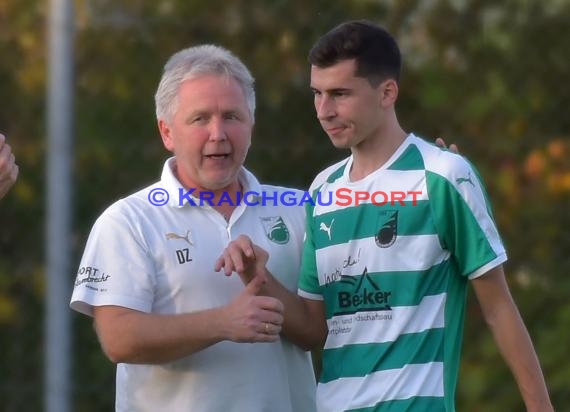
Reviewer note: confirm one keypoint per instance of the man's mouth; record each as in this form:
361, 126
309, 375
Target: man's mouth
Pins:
217, 156
334, 130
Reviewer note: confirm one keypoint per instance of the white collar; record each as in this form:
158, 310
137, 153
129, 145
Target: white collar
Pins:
170, 183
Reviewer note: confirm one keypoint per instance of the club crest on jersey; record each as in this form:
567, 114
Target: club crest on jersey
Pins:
275, 229
387, 228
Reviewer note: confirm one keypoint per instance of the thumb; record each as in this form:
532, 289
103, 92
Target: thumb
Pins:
255, 285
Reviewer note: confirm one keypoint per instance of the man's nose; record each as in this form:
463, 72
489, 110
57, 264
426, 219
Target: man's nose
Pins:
325, 108
217, 130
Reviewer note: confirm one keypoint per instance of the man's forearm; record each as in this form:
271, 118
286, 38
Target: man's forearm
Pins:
135, 337
304, 322
516, 347
130, 336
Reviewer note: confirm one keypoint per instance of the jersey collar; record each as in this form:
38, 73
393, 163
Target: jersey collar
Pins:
172, 185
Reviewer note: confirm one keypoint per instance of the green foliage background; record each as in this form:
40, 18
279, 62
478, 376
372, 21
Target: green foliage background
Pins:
492, 76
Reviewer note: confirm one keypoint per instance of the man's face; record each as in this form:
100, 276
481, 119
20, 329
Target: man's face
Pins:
348, 107
210, 132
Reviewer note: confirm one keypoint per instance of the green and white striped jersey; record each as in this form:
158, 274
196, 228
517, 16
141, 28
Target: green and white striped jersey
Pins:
393, 271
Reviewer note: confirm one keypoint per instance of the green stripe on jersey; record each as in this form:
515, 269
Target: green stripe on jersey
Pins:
397, 289
348, 222
412, 348
463, 235
411, 159
420, 403
336, 174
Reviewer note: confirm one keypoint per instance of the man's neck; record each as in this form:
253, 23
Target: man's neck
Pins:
223, 200
372, 154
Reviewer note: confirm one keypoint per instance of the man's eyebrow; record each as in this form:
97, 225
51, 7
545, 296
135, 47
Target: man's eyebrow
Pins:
333, 90
197, 112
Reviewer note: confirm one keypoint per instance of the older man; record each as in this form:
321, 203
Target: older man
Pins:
176, 328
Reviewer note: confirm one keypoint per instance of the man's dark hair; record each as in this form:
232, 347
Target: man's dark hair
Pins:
375, 51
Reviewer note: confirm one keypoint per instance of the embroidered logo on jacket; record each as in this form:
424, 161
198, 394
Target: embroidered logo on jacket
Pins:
275, 229
187, 238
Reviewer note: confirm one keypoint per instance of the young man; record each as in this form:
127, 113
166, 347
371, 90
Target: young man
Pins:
174, 326
8, 167
386, 265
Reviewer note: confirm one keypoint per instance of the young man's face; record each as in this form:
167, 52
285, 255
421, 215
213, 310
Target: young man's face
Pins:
348, 107
210, 133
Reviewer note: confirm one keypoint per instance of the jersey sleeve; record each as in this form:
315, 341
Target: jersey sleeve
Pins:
115, 268
463, 218
308, 279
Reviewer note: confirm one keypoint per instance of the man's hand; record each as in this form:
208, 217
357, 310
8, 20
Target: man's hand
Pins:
245, 258
252, 318
8, 167
441, 143
304, 323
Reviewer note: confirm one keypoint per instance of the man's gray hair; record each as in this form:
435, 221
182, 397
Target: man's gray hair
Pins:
197, 61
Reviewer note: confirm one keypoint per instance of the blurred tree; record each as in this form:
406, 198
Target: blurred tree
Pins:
21, 238
492, 75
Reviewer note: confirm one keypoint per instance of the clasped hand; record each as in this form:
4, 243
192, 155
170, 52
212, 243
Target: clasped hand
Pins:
253, 317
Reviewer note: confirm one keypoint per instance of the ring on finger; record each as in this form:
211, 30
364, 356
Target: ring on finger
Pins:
267, 328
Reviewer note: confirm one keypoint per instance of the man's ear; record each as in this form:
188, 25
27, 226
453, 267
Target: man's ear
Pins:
388, 90
166, 135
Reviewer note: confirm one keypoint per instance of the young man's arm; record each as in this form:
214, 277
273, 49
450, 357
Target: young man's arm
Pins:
510, 334
305, 322
304, 319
